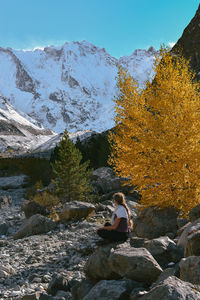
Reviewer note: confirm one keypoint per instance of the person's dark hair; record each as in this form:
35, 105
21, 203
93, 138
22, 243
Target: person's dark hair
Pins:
121, 200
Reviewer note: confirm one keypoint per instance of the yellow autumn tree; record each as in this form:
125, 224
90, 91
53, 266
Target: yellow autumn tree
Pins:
156, 142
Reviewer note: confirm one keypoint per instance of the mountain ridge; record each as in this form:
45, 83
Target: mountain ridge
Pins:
68, 87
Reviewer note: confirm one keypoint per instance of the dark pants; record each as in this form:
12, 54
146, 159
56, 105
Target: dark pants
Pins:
112, 235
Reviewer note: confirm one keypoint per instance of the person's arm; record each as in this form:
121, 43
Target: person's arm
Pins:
114, 226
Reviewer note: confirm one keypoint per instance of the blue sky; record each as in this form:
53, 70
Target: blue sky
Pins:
120, 26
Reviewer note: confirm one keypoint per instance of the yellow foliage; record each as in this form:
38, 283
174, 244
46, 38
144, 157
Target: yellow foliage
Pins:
157, 138
45, 199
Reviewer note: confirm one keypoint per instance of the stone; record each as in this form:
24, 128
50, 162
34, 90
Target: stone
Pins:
171, 288
134, 263
190, 269
81, 289
13, 182
37, 224
187, 233
5, 202
164, 250
97, 265
181, 222
192, 247
3, 228
118, 261
194, 214
32, 208
105, 181
75, 210
153, 223
57, 283
110, 289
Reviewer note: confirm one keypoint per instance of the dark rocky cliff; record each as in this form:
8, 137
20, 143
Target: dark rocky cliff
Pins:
189, 43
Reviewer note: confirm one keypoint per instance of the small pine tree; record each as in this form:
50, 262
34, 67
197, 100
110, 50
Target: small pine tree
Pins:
157, 138
70, 176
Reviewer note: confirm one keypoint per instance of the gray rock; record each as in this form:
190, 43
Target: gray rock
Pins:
181, 222
97, 266
32, 208
153, 223
171, 289
134, 263
75, 210
36, 224
105, 181
58, 282
190, 270
12, 182
164, 250
189, 239
123, 261
5, 202
193, 244
110, 289
80, 290
3, 228
194, 213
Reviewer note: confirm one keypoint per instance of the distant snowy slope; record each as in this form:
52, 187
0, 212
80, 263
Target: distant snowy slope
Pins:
18, 132
69, 87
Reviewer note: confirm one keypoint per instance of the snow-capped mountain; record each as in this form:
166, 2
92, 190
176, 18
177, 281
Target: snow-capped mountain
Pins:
19, 132
69, 87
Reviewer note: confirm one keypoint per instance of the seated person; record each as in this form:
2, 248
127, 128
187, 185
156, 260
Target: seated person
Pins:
121, 223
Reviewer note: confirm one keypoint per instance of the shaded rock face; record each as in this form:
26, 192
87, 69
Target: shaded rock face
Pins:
194, 213
190, 269
124, 261
57, 283
163, 249
152, 223
110, 289
193, 244
189, 43
105, 181
190, 238
37, 224
172, 288
32, 208
75, 210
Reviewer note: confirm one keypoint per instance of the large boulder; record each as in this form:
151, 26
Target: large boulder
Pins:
189, 238
13, 182
164, 250
110, 289
153, 223
36, 224
170, 289
97, 265
32, 208
193, 244
134, 263
104, 181
190, 269
80, 290
194, 213
122, 261
75, 210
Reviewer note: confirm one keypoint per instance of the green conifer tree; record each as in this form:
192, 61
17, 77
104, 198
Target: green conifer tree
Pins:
70, 176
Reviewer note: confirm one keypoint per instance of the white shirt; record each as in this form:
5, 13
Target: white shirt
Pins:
120, 212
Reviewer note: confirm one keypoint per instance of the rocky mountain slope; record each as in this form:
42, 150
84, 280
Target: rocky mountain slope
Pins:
19, 132
70, 86
189, 42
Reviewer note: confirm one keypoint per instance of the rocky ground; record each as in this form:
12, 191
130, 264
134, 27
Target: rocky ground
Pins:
41, 259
